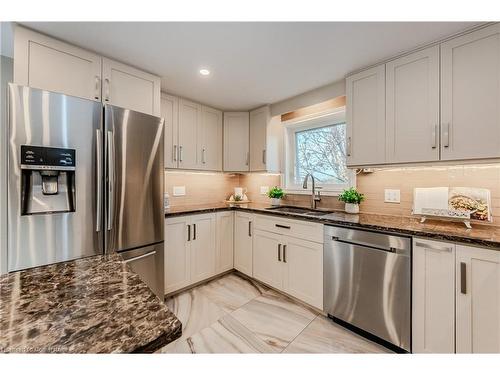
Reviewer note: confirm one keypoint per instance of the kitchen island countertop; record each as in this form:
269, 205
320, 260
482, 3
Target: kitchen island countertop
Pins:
90, 305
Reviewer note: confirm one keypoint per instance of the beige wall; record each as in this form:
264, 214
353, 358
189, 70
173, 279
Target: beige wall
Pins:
201, 188
210, 188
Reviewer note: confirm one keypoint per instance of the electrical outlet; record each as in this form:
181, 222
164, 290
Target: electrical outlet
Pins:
264, 190
392, 195
179, 190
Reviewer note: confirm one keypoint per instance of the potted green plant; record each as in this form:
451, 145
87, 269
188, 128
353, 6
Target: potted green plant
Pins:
276, 194
352, 198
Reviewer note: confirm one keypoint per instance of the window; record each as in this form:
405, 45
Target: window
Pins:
317, 146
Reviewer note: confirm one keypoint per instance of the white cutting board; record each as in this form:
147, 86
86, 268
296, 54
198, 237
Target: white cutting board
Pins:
435, 198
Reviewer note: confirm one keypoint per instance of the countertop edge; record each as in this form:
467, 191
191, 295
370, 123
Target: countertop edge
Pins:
493, 245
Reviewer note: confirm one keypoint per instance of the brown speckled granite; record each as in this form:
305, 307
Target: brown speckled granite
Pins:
90, 305
479, 235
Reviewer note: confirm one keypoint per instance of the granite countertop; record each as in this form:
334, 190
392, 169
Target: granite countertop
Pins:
90, 305
479, 235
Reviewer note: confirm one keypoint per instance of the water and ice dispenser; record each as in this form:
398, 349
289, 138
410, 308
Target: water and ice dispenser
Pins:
47, 180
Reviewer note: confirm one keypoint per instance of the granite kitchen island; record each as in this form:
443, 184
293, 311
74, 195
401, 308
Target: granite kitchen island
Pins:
90, 305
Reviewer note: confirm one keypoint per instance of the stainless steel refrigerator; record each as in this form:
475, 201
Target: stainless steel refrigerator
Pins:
84, 179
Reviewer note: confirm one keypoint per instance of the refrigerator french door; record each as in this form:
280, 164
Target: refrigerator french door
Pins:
83, 180
133, 212
52, 178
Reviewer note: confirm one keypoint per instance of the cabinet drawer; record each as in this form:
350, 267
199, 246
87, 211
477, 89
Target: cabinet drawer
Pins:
293, 228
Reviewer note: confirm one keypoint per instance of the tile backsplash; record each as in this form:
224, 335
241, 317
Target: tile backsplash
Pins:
202, 188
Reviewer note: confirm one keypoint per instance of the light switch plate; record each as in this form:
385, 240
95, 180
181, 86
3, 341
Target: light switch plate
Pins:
264, 190
392, 195
179, 190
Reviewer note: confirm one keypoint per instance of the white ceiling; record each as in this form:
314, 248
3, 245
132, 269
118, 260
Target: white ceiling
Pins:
251, 63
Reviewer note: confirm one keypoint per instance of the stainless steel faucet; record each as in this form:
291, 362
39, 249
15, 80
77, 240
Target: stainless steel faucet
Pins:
315, 195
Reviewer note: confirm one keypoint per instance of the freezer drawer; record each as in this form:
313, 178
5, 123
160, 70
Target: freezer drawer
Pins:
147, 262
368, 282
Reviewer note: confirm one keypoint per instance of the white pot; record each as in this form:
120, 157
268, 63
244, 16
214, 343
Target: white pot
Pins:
352, 208
275, 201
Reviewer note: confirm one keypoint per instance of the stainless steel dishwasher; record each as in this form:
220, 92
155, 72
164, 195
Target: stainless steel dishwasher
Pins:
367, 282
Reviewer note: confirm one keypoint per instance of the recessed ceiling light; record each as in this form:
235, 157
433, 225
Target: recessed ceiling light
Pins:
204, 72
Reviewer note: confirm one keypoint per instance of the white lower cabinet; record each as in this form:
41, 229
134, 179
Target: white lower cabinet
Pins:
243, 242
433, 297
190, 251
203, 251
303, 276
477, 300
456, 298
177, 254
267, 258
292, 265
225, 241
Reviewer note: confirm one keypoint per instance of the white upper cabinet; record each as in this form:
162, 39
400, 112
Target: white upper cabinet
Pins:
259, 119
366, 117
49, 64
470, 95
412, 107
477, 300
130, 88
211, 139
46, 63
433, 293
236, 144
189, 137
193, 134
170, 113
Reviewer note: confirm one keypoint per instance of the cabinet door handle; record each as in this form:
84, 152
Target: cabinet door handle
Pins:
180, 153
282, 226
97, 87
194, 232
248, 158
349, 145
106, 81
446, 135
249, 229
434, 136
279, 252
263, 156
175, 153
284, 253
189, 232
463, 278
203, 156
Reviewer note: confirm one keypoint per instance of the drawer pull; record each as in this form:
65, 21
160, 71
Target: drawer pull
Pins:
433, 247
282, 226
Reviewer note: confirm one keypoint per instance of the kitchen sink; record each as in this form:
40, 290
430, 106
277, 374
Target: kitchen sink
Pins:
299, 210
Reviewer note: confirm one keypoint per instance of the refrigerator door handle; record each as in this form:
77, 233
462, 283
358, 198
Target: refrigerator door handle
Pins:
111, 178
98, 148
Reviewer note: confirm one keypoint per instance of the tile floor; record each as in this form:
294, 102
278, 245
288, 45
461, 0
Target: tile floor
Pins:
233, 314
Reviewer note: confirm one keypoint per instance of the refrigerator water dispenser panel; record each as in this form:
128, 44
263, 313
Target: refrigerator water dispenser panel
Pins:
47, 180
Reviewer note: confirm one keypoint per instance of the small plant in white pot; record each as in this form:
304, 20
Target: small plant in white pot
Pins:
276, 194
352, 198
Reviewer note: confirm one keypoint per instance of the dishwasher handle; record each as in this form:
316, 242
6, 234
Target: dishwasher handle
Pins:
391, 249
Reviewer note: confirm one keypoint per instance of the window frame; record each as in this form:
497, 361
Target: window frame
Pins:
290, 128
